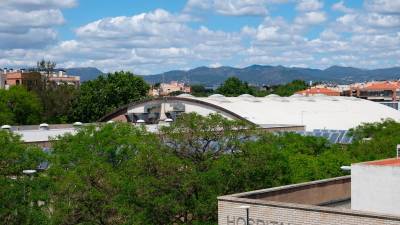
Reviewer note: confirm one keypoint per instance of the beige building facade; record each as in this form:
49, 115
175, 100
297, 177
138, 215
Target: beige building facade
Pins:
325, 202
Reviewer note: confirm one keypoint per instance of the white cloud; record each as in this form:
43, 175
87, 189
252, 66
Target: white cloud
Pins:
309, 5
38, 4
229, 7
311, 18
339, 6
383, 6
30, 23
159, 40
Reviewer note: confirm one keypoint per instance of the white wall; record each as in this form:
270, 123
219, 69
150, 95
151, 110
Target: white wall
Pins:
375, 188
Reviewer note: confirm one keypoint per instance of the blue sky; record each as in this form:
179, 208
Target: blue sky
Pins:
154, 36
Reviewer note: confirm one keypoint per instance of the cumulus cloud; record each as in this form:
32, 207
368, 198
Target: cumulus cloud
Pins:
159, 40
339, 6
311, 18
30, 23
37, 4
309, 5
229, 7
383, 6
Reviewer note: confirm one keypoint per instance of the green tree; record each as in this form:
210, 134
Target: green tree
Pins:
234, 87
47, 67
19, 194
57, 102
19, 106
200, 91
375, 140
289, 88
106, 93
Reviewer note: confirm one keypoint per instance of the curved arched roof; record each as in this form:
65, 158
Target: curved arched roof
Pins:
315, 112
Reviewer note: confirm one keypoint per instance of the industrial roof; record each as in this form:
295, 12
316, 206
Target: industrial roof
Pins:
30, 136
315, 112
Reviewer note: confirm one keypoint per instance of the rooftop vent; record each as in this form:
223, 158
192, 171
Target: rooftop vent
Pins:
6, 127
44, 126
249, 98
185, 96
218, 97
140, 121
77, 124
246, 96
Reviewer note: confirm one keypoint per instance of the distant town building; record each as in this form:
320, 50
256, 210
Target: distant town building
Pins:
19, 77
60, 77
318, 91
165, 89
3, 79
31, 79
369, 196
376, 90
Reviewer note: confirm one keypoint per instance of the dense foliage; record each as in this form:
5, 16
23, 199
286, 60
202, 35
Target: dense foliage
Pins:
122, 174
57, 102
106, 93
20, 195
19, 106
289, 88
234, 87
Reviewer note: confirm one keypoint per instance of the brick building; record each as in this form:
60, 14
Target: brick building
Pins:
369, 196
27, 79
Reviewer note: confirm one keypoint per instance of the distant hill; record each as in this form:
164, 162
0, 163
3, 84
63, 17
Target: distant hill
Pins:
259, 74
86, 73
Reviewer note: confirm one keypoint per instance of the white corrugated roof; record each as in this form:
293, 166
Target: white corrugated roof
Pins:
315, 112
28, 136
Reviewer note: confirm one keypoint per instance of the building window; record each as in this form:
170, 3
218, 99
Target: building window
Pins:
17, 82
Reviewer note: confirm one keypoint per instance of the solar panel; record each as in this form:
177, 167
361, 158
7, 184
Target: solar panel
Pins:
334, 137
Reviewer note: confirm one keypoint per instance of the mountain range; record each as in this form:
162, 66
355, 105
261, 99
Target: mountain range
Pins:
270, 75
258, 74
86, 73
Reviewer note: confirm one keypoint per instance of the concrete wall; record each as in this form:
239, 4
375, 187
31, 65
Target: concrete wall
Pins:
274, 213
376, 188
311, 193
273, 207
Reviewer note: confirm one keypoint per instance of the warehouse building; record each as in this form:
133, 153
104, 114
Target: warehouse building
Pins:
312, 112
369, 196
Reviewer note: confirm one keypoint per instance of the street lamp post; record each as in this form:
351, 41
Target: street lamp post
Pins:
29, 173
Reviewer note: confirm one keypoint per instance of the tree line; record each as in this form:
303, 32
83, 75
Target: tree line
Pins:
123, 174
233, 87
63, 103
